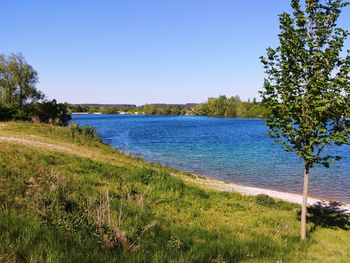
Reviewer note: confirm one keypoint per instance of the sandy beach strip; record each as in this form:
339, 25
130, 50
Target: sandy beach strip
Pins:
210, 183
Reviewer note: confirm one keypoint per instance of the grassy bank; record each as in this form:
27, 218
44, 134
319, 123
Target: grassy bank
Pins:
67, 198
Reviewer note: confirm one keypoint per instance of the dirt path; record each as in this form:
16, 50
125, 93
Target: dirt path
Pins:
44, 145
63, 147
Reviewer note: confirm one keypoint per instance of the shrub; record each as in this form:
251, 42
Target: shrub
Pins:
89, 132
265, 200
86, 133
5, 113
52, 112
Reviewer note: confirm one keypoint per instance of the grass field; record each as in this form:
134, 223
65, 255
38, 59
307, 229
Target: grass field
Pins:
66, 198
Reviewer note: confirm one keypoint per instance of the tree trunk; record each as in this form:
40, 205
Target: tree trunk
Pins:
304, 204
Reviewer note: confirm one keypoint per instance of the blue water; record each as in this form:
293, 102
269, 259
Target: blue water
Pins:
233, 150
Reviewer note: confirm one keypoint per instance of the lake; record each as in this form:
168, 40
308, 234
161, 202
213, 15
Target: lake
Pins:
232, 150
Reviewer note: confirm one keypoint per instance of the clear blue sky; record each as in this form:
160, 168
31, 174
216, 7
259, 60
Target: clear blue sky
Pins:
143, 51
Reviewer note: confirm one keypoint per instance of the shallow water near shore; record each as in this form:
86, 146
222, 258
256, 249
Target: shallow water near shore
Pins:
232, 150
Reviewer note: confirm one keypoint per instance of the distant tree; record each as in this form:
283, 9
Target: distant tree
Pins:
213, 107
232, 107
18, 81
165, 110
76, 108
228, 107
108, 110
149, 109
201, 109
307, 89
257, 111
175, 111
243, 109
217, 106
91, 110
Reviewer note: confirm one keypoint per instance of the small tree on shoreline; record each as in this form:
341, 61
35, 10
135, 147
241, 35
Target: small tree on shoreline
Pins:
307, 89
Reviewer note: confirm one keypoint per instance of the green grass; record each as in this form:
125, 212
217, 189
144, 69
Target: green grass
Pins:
61, 207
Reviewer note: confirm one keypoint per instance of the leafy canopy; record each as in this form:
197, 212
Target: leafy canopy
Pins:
19, 97
18, 81
308, 81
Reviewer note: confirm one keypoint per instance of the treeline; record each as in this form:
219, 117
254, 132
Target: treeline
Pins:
217, 107
101, 108
147, 109
21, 100
230, 107
150, 109
19, 97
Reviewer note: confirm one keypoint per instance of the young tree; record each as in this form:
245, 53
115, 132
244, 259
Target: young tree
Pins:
307, 89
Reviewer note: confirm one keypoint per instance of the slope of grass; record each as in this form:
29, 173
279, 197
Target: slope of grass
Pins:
95, 204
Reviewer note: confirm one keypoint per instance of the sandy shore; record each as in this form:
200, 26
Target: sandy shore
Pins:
210, 183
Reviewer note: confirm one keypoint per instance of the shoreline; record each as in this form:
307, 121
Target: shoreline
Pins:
210, 182
198, 179
215, 184
221, 185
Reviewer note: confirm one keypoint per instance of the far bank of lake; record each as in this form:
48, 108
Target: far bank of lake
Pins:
232, 150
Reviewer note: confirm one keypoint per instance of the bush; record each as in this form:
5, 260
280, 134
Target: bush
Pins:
23, 113
89, 133
46, 112
86, 132
265, 200
52, 112
5, 113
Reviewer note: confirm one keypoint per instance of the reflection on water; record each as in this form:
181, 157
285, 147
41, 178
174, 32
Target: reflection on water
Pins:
234, 150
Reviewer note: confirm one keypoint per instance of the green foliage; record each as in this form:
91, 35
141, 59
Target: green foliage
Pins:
5, 113
229, 107
52, 112
217, 107
308, 85
265, 200
17, 81
150, 109
86, 133
109, 110
78, 108
19, 98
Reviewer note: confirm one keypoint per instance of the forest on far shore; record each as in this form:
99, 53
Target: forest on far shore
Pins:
222, 106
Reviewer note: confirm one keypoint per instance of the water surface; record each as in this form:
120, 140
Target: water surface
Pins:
233, 150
